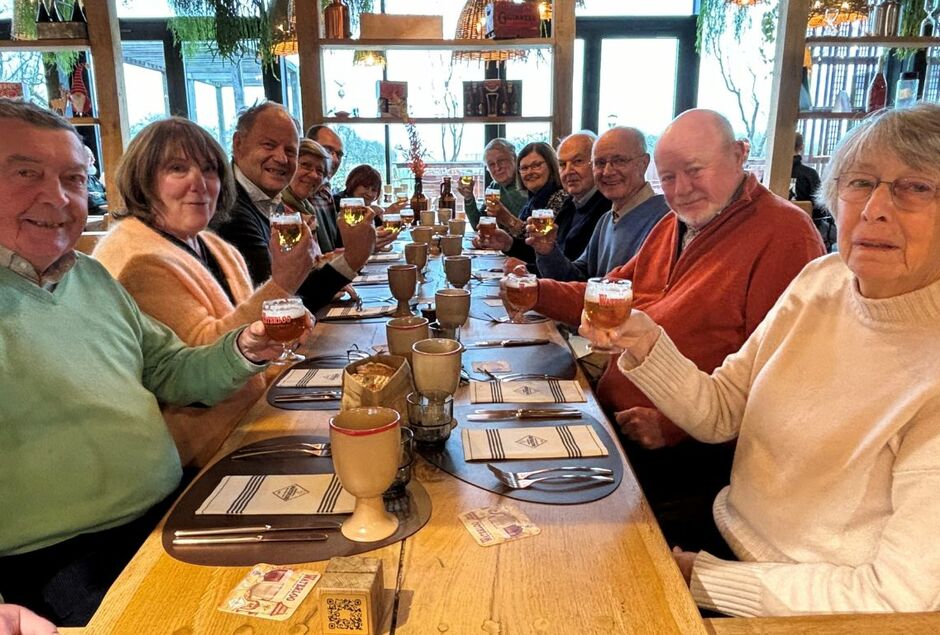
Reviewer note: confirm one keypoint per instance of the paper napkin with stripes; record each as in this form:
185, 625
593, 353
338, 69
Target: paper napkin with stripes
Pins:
371, 278
353, 312
312, 378
533, 391
261, 494
390, 257
548, 442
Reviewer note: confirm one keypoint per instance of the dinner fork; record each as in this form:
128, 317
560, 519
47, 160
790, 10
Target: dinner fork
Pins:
309, 449
510, 480
501, 473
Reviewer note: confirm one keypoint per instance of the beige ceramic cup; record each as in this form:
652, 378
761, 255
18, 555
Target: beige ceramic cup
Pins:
437, 365
417, 254
422, 234
457, 270
452, 307
427, 218
444, 214
403, 282
451, 245
401, 333
457, 226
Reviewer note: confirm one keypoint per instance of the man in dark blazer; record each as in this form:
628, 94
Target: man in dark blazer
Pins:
264, 149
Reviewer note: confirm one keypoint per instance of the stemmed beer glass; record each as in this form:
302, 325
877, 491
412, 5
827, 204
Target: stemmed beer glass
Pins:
284, 321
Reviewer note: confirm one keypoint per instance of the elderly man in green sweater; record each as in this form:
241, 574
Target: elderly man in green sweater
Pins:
86, 461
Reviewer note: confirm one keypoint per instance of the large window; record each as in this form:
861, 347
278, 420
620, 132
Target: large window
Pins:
145, 71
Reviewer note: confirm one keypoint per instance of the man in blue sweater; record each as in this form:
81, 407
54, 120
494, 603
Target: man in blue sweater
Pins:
619, 160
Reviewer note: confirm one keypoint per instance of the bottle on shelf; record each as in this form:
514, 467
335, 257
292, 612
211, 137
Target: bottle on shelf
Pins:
419, 202
877, 91
447, 198
336, 21
47, 12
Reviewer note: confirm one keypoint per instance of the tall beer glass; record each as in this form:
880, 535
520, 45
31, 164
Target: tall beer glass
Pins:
607, 304
288, 226
284, 321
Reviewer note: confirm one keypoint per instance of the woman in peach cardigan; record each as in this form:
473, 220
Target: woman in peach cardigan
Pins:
173, 179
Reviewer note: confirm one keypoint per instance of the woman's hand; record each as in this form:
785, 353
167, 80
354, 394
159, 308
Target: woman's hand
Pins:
636, 336
383, 238
253, 342
685, 560
290, 268
395, 208
18, 620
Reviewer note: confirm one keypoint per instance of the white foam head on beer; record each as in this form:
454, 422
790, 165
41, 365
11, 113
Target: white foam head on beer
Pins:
609, 290
285, 218
543, 213
285, 312
518, 282
352, 202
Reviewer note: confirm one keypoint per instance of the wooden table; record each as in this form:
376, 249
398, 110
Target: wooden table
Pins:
596, 568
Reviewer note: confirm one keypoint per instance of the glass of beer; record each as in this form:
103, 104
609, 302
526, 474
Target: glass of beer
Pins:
543, 221
487, 227
392, 222
284, 321
607, 304
353, 210
288, 226
519, 291
407, 216
466, 179
401, 194
492, 198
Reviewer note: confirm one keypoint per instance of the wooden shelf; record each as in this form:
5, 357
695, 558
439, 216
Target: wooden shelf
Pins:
438, 120
46, 45
874, 40
446, 45
828, 114
84, 121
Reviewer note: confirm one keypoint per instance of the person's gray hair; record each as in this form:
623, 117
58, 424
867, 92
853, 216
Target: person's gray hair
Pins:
309, 147
911, 134
34, 115
248, 116
501, 145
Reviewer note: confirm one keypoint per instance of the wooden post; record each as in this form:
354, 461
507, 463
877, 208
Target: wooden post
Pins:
563, 25
107, 59
311, 80
785, 94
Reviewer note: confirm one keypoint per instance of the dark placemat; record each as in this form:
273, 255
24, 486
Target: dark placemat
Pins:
338, 360
412, 510
480, 310
450, 459
551, 359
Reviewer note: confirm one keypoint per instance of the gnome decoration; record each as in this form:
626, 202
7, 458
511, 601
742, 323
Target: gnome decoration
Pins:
81, 103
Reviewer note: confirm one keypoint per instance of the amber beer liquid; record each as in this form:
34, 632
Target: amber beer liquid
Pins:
487, 227
392, 222
407, 216
288, 235
522, 297
354, 214
492, 198
543, 221
285, 325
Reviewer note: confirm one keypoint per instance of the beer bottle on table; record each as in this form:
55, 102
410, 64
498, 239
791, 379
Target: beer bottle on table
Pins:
419, 202
447, 199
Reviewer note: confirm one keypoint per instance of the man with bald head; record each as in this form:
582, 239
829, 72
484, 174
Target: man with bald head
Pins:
708, 273
618, 168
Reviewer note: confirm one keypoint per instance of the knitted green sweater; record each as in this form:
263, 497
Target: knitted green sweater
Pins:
83, 446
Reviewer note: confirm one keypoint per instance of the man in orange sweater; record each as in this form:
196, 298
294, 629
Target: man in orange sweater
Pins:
708, 273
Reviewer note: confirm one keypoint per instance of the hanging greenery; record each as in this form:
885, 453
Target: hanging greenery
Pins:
713, 20
231, 29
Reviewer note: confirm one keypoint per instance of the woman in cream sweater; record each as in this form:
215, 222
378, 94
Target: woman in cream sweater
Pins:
834, 501
173, 179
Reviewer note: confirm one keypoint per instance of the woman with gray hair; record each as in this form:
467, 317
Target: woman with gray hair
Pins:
500, 158
834, 401
174, 178
313, 165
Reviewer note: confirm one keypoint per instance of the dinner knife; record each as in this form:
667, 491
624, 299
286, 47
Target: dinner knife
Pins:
256, 529
525, 341
523, 413
301, 398
235, 540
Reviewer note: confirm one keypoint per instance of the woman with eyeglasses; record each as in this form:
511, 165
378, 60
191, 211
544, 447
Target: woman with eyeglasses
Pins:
834, 400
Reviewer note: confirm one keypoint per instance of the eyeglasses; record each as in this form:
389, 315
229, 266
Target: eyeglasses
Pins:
908, 192
334, 151
499, 163
617, 162
311, 168
532, 167
574, 163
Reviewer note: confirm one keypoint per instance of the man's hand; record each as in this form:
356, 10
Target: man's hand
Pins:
514, 315
358, 240
636, 336
290, 268
465, 191
511, 263
18, 620
254, 343
649, 427
685, 560
383, 238
541, 243
498, 239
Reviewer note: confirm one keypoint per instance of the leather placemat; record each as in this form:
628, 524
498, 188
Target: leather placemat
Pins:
450, 459
550, 359
413, 512
339, 360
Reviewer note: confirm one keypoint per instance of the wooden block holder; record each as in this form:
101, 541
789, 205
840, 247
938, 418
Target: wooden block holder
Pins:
61, 30
350, 596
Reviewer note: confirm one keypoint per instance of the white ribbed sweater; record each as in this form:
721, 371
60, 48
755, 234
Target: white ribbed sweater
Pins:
834, 502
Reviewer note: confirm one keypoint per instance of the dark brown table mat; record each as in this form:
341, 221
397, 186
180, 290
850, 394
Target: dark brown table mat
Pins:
412, 510
551, 359
450, 459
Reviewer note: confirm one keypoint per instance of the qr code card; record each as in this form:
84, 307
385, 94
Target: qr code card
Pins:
270, 592
494, 525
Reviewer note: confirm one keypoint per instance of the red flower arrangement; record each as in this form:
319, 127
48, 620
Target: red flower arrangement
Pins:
416, 151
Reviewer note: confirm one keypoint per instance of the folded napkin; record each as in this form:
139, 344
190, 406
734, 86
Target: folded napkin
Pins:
312, 378
353, 312
278, 494
482, 274
371, 278
482, 252
392, 257
532, 391
548, 442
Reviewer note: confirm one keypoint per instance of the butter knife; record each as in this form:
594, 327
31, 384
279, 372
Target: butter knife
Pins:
527, 341
256, 529
235, 540
523, 413
332, 395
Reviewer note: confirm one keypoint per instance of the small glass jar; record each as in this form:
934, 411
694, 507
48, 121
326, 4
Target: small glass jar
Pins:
906, 93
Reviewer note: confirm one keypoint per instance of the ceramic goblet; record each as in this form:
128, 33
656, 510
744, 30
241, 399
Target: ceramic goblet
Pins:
451, 245
422, 234
366, 446
437, 365
453, 308
401, 333
403, 281
444, 214
457, 226
417, 254
457, 270
427, 218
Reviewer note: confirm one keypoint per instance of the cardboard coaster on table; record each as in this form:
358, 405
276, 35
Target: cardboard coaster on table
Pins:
281, 385
450, 458
412, 510
548, 359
